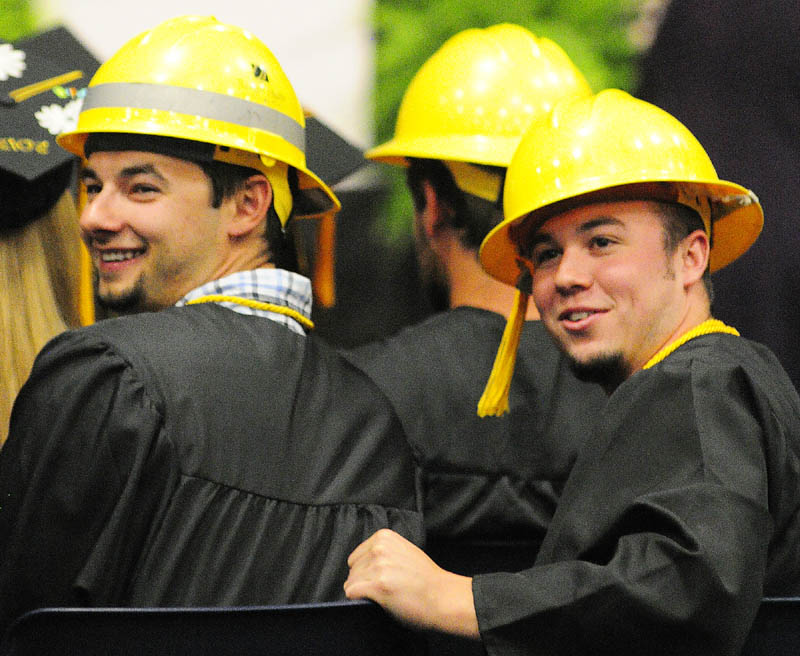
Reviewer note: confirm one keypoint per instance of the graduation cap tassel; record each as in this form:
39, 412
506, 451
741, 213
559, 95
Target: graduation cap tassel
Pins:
86, 290
86, 309
494, 401
323, 280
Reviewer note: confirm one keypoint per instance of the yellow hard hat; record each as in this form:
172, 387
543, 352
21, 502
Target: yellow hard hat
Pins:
613, 146
474, 98
604, 148
195, 78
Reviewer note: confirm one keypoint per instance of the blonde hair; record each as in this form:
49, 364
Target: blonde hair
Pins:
39, 284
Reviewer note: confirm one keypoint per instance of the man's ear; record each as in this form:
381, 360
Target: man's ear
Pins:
251, 203
695, 250
434, 216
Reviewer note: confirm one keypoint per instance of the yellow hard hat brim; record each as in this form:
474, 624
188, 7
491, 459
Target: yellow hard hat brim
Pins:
477, 149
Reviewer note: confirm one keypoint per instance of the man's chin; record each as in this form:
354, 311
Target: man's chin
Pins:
128, 302
607, 370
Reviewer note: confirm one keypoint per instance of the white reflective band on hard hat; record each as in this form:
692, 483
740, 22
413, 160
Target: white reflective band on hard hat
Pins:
196, 102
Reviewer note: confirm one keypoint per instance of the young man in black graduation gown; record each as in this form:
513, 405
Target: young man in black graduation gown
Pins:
490, 485
682, 508
205, 451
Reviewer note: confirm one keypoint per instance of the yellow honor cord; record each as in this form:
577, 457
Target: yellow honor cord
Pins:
707, 327
494, 400
258, 305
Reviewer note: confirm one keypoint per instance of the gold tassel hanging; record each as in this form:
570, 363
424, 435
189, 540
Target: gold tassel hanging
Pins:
86, 290
323, 280
494, 401
86, 309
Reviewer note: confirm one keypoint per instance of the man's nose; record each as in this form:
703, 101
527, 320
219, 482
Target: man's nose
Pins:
101, 215
573, 271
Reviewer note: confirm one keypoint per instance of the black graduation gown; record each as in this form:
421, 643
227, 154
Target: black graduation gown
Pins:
194, 456
680, 513
490, 485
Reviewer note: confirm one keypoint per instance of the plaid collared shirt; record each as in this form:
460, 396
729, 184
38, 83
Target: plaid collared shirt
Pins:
276, 286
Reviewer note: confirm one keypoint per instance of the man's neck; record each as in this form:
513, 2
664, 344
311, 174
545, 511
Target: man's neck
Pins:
242, 260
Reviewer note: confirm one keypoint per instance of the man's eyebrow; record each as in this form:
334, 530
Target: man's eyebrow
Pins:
538, 238
599, 221
88, 173
147, 169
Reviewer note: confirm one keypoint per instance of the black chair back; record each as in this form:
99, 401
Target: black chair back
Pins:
776, 630
334, 629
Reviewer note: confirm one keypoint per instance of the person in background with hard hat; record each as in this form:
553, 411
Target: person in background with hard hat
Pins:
490, 485
683, 506
205, 451
40, 253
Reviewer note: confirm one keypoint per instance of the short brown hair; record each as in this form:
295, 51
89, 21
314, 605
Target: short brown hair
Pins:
474, 217
679, 221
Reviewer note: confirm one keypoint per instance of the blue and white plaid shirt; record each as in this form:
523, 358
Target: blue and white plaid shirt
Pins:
276, 286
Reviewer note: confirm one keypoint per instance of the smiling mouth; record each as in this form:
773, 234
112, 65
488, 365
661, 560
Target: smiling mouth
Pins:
577, 315
120, 255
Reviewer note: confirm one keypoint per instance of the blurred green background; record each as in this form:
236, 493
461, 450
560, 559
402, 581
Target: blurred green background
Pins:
16, 19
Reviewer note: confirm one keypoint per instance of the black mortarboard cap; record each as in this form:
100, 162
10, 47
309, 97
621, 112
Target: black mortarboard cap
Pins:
42, 82
328, 154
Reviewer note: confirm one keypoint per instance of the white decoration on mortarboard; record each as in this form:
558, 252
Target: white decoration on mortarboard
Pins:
12, 62
56, 118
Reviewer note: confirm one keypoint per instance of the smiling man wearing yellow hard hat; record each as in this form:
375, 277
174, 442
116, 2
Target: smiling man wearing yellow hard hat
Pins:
205, 450
683, 507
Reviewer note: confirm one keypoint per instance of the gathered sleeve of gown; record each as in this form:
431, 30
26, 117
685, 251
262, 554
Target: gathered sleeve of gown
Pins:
81, 429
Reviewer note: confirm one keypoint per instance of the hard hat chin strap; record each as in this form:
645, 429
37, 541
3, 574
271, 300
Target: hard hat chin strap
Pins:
278, 176
276, 172
476, 180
